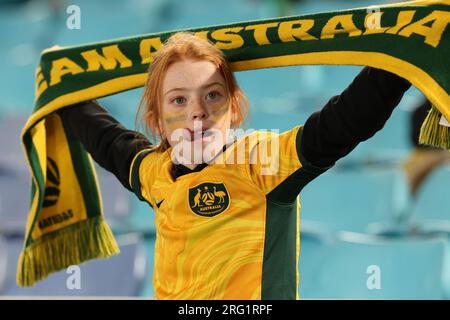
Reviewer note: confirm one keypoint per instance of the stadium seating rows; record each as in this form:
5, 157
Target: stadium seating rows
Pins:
339, 209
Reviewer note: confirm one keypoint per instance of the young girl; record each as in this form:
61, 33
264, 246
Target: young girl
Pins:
225, 229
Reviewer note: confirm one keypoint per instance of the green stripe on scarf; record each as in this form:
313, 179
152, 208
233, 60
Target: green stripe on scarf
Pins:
410, 39
86, 178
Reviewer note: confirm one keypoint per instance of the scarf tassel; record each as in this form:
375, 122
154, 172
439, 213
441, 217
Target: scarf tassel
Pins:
85, 240
433, 133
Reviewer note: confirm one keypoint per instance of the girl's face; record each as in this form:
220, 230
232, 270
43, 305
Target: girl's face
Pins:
196, 110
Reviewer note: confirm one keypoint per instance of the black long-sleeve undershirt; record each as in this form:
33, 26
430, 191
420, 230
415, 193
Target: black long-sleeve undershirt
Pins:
354, 116
328, 135
110, 144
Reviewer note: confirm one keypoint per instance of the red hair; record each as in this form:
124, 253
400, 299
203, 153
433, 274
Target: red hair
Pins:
179, 46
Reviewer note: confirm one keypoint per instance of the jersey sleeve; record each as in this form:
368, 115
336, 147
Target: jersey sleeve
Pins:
277, 165
143, 170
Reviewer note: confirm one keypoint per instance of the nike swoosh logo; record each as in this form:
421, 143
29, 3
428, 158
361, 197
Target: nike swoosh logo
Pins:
158, 204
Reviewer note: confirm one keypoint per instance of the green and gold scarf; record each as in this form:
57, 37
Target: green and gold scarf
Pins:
66, 225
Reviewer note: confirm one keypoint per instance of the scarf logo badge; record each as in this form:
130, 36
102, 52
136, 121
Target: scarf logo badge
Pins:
209, 199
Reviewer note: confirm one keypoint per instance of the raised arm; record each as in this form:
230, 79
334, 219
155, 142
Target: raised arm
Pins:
352, 117
110, 144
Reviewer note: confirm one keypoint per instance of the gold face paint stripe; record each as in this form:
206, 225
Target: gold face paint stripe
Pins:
221, 111
172, 119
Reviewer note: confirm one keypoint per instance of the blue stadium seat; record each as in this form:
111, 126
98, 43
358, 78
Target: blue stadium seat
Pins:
280, 98
12, 155
147, 290
313, 239
116, 200
432, 200
430, 214
142, 217
352, 199
192, 14
121, 275
123, 211
14, 199
409, 268
3, 262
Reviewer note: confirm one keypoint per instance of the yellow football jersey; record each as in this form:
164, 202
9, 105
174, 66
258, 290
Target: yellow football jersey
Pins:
230, 230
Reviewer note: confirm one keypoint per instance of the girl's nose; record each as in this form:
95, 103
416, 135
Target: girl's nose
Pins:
199, 112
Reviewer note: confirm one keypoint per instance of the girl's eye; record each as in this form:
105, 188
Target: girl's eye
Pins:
179, 100
213, 95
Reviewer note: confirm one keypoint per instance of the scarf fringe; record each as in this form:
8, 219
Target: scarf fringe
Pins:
85, 240
434, 134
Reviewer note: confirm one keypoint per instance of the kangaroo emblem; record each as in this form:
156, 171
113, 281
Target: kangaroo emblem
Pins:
197, 198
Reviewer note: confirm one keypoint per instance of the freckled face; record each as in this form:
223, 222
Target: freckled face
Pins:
194, 91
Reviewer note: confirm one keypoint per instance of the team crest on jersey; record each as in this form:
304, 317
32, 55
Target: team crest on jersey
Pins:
209, 199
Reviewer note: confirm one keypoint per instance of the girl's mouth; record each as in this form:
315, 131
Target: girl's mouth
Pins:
202, 134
